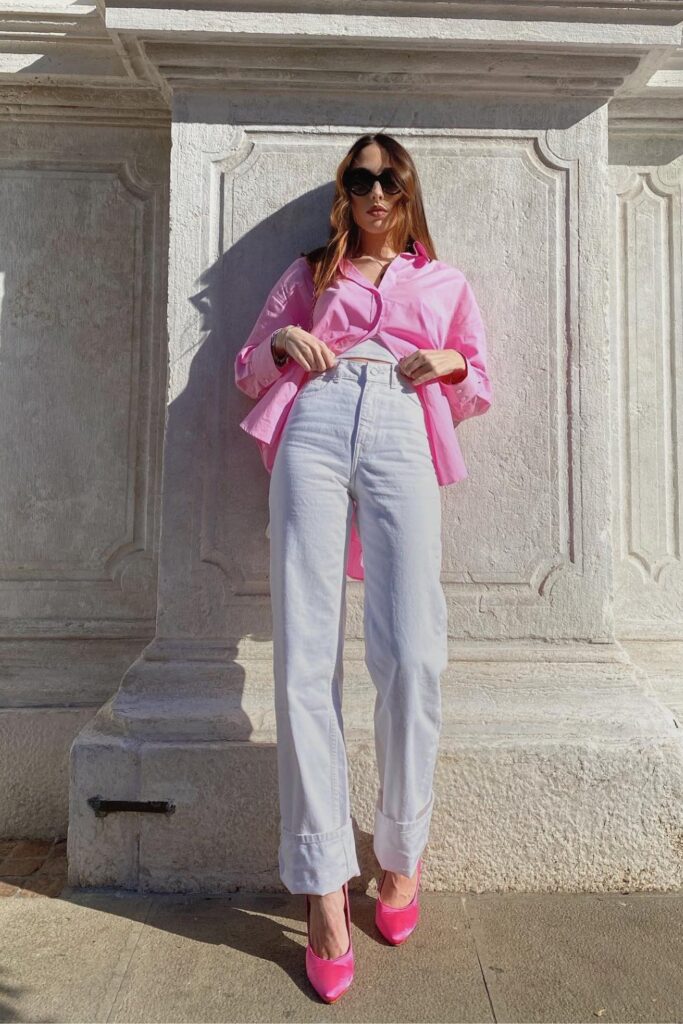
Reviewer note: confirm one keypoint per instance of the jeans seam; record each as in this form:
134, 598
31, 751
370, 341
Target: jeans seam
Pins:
314, 838
333, 738
406, 828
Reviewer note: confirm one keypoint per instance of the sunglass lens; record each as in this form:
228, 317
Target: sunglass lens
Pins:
359, 182
389, 183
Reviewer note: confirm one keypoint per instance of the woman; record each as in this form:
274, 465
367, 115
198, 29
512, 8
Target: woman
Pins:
365, 355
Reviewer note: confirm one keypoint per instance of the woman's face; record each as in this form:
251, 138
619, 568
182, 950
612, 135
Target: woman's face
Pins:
378, 221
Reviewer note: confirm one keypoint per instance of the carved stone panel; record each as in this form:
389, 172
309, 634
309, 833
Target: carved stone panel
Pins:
647, 359
505, 206
82, 331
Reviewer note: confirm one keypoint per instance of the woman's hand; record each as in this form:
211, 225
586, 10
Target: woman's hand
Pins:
427, 364
305, 349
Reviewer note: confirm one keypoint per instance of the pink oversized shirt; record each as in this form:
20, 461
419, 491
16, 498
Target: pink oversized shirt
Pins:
419, 303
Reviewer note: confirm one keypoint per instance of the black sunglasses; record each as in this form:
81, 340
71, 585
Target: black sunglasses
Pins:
360, 181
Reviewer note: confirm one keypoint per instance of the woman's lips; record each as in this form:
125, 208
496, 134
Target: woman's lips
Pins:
377, 213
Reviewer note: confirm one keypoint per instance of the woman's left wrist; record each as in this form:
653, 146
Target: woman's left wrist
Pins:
460, 373
280, 357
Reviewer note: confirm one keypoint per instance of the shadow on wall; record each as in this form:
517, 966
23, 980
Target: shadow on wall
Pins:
203, 431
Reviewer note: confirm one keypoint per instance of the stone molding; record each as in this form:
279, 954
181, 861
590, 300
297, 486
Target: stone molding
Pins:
125, 61
647, 354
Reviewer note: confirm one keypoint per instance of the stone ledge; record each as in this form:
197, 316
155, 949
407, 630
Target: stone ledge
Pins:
555, 695
568, 778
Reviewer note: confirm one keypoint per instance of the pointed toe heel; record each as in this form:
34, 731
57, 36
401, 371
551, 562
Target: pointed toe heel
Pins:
330, 977
397, 923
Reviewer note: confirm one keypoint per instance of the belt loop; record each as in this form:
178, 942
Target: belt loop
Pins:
392, 376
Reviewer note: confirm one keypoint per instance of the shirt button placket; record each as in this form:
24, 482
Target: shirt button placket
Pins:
378, 315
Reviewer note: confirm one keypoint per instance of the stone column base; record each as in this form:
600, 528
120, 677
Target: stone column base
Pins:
559, 769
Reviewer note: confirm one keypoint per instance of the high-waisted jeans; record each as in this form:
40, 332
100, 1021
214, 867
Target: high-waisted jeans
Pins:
355, 435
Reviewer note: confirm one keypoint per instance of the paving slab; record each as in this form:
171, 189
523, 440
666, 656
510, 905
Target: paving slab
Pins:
581, 956
61, 959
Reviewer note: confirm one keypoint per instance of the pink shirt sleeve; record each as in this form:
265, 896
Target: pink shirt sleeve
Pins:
290, 302
472, 395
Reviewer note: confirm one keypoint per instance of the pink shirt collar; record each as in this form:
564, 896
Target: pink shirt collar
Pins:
419, 256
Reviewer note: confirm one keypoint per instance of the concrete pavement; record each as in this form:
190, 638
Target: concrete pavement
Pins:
97, 955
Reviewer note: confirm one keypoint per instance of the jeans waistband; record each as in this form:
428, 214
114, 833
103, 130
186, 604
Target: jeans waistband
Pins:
387, 373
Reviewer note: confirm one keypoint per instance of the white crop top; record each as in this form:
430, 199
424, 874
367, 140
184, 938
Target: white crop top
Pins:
371, 348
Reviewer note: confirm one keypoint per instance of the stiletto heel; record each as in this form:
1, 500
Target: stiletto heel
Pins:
330, 977
397, 923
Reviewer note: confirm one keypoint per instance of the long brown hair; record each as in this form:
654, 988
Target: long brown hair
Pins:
410, 222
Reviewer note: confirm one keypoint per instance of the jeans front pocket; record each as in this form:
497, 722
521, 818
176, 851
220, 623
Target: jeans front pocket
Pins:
315, 383
411, 393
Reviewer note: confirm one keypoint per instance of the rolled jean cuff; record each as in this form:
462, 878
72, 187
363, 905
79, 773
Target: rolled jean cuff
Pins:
320, 862
398, 845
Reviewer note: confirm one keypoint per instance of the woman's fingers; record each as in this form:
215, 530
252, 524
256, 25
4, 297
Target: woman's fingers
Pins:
309, 351
322, 356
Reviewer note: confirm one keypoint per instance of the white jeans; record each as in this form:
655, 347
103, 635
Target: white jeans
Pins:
356, 433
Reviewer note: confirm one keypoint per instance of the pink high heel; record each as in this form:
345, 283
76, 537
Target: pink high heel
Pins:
330, 977
397, 923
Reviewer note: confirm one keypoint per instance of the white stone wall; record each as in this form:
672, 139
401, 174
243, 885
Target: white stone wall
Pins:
158, 168
83, 222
